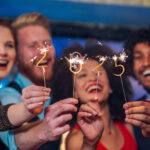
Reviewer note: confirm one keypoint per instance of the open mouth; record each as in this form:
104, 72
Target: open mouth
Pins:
94, 88
44, 63
146, 73
3, 63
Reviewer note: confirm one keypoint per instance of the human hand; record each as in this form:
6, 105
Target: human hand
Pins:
90, 122
34, 98
56, 117
138, 114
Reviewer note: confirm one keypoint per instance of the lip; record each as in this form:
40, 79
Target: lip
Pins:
94, 84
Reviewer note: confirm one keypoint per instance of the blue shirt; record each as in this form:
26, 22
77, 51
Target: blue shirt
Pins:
8, 96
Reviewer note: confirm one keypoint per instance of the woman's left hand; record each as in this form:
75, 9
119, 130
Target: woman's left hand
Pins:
138, 114
90, 122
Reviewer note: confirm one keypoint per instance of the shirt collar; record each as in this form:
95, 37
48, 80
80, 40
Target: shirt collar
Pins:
22, 81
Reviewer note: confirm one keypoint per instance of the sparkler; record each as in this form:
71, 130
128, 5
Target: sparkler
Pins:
76, 61
43, 51
102, 59
122, 57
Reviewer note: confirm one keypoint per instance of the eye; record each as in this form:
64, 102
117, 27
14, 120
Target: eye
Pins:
10, 45
82, 75
137, 57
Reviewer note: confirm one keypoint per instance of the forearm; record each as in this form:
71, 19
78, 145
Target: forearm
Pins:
27, 137
5, 124
18, 114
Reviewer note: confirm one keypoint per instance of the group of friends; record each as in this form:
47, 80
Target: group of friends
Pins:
89, 104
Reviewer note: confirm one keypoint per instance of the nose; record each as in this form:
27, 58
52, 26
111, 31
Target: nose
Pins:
93, 76
146, 61
3, 51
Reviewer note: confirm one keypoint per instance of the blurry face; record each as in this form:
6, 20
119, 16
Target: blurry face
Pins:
141, 61
29, 39
7, 52
86, 87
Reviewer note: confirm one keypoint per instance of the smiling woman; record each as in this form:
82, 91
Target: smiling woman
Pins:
101, 116
7, 49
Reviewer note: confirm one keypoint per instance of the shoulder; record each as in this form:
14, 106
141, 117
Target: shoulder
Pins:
130, 128
9, 95
74, 140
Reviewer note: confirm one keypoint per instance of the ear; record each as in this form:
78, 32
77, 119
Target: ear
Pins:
110, 90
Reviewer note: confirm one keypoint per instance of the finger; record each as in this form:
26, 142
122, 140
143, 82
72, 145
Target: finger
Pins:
136, 123
140, 110
58, 104
60, 130
32, 106
61, 120
57, 110
37, 100
88, 109
32, 93
139, 117
134, 104
84, 114
95, 105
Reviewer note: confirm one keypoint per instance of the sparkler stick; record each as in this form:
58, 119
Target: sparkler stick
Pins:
122, 57
102, 60
43, 51
76, 61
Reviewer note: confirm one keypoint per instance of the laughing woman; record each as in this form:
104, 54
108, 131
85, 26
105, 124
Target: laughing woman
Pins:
100, 120
14, 115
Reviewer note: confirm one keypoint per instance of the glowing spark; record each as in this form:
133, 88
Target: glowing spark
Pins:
76, 61
114, 58
123, 56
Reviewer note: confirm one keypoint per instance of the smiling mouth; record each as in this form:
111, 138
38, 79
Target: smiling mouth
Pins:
146, 73
3, 63
94, 89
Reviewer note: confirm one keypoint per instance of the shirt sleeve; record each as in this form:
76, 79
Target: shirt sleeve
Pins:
5, 124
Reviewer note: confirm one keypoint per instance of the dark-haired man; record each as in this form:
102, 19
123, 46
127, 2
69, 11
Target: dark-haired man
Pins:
138, 113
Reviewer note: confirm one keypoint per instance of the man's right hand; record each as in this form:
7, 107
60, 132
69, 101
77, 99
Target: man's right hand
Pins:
56, 117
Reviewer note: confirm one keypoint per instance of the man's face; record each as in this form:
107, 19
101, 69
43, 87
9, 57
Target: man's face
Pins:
29, 39
141, 63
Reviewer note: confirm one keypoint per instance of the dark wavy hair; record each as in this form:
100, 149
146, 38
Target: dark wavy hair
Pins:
141, 35
62, 80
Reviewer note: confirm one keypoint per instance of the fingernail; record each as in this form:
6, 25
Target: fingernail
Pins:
46, 94
126, 112
46, 97
40, 103
126, 106
89, 114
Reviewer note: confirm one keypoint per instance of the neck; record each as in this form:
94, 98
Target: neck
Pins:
33, 80
107, 119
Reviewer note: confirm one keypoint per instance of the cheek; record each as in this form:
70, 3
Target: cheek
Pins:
136, 66
12, 55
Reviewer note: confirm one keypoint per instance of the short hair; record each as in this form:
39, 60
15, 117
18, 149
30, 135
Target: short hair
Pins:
62, 80
30, 19
141, 35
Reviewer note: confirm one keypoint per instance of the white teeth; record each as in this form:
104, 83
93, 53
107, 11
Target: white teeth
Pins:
2, 62
44, 62
147, 72
95, 87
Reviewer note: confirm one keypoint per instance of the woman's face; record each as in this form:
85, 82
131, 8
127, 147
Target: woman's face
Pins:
7, 51
88, 85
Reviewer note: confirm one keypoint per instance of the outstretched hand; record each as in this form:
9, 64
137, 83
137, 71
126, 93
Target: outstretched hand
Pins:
35, 96
138, 114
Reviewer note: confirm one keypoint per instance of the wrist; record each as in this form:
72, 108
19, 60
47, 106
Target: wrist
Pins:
90, 144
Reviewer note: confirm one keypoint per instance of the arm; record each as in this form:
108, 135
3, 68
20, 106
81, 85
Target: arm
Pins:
32, 97
138, 114
51, 128
91, 125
